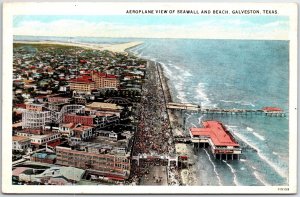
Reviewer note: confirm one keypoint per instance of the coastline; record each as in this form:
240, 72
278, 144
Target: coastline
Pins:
118, 48
187, 176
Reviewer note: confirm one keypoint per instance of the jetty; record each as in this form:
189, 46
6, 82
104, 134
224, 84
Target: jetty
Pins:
268, 111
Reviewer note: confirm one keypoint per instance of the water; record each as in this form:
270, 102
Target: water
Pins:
232, 74
229, 74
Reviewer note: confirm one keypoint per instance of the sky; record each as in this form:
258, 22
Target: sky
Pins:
149, 26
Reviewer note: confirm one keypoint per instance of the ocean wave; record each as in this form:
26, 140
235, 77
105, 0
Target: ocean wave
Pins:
245, 103
258, 177
201, 94
181, 93
166, 70
233, 172
274, 153
214, 166
200, 119
262, 138
183, 71
249, 129
276, 168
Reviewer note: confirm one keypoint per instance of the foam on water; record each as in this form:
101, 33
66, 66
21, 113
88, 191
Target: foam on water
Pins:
276, 168
181, 95
249, 129
201, 94
262, 138
233, 172
245, 103
259, 177
214, 166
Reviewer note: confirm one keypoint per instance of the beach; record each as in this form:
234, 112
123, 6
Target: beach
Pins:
188, 176
118, 48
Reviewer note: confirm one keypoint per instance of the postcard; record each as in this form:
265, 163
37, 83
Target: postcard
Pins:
149, 98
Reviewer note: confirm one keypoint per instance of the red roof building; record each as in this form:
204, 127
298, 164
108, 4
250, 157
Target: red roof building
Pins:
272, 109
96, 80
217, 136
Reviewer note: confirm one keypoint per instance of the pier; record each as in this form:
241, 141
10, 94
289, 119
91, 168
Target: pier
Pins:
214, 135
267, 111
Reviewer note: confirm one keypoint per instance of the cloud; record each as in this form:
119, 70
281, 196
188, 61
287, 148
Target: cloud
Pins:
210, 29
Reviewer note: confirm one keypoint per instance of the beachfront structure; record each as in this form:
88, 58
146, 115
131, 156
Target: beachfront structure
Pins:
20, 143
220, 140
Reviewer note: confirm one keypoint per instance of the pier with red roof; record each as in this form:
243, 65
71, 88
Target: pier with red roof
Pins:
214, 135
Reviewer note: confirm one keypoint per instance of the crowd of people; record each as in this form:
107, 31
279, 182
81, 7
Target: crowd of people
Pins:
154, 135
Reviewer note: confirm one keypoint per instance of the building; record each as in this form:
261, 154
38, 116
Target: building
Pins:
97, 80
104, 81
222, 143
43, 157
35, 116
82, 84
34, 107
108, 165
66, 129
100, 156
109, 108
39, 140
78, 119
20, 143
52, 175
58, 99
82, 133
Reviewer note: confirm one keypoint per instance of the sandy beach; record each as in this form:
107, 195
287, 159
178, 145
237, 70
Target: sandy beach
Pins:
187, 176
119, 48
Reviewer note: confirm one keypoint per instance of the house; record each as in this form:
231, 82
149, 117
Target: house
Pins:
20, 143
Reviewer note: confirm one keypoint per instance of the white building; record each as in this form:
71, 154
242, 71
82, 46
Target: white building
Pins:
35, 119
20, 143
43, 139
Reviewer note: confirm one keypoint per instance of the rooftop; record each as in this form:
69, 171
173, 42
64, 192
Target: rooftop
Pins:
217, 133
82, 79
101, 105
100, 74
272, 109
20, 138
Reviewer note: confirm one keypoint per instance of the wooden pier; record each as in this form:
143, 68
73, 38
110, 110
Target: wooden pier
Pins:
268, 111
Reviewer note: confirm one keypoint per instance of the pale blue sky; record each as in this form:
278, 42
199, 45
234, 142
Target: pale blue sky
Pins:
154, 26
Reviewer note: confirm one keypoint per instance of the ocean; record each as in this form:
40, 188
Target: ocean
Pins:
248, 74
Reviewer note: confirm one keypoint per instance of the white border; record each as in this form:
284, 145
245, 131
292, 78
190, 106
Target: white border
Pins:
108, 8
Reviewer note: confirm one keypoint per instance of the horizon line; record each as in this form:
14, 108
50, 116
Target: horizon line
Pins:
257, 39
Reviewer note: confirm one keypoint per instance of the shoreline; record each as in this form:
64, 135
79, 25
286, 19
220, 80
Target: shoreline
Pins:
117, 48
187, 176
